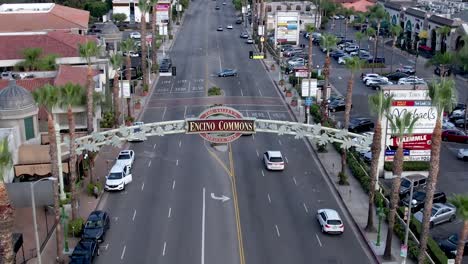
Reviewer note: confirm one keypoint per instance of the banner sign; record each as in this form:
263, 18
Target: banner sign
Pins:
287, 28
308, 85
301, 72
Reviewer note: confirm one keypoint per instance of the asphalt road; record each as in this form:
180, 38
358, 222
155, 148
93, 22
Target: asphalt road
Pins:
172, 212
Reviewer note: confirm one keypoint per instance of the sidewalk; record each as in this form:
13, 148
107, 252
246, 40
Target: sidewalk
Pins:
353, 196
87, 203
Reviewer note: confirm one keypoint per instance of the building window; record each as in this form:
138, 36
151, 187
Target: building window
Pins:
29, 127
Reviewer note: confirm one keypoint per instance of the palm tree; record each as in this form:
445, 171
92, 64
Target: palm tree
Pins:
443, 60
116, 60
461, 203
360, 19
32, 58
359, 37
144, 7
72, 95
48, 97
310, 29
353, 64
442, 94
395, 31
379, 105
377, 12
401, 126
347, 13
7, 212
127, 46
154, 29
89, 51
328, 42
443, 32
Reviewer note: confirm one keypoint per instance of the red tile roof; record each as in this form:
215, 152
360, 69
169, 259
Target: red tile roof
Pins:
63, 44
59, 18
359, 6
75, 75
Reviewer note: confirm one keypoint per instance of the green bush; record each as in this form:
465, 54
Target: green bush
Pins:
358, 172
67, 199
214, 91
108, 120
90, 188
409, 166
75, 227
315, 113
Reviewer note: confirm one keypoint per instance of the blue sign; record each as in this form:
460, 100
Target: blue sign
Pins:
308, 101
393, 152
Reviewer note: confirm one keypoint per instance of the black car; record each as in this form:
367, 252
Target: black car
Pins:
376, 60
337, 53
85, 252
337, 105
419, 198
447, 72
239, 21
395, 76
96, 226
360, 125
217, 7
449, 246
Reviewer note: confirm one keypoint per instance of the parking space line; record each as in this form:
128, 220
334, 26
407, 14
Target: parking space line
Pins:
258, 155
185, 112
154, 146
123, 252
242, 94
172, 86
318, 239
180, 143
279, 141
169, 213
134, 214
164, 249
295, 182
305, 207
164, 113
260, 92
177, 162
142, 186
149, 164
269, 117
173, 185
286, 158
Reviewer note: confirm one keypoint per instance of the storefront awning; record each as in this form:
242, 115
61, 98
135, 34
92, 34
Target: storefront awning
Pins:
35, 160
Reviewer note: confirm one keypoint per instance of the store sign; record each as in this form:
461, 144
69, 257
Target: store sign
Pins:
414, 142
162, 13
220, 125
287, 28
427, 117
309, 87
301, 72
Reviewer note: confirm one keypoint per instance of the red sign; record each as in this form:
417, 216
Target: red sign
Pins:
402, 103
415, 142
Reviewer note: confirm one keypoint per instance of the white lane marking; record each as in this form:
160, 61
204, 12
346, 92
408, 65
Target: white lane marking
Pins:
279, 141
318, 239
269, 117
286, 158
242, 94
169, 214
177, 162
185, 112
164, 113
305, 207
180, 143
164, 249
263, 173
134, 214
172, 86
277, 231
260, 92
149, 163
188, 89
173, 185
154, 146
269, 199
203, 230
142, 186
295, 182
258, 155
123, 252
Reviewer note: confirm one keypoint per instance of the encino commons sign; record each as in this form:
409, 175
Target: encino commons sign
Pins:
220, 125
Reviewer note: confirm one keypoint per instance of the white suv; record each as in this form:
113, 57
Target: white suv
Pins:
118, 177
330, 221
273, 160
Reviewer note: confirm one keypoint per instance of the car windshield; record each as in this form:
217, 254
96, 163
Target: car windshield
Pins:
406, 183
123, 156
334, 222
453, 239
433, 211
419, 196
115, 176
94, 224
276, 159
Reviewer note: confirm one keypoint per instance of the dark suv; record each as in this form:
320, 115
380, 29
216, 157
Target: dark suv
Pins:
96, 226
85, 252
418, 180
420, 197
360, 124
165, 65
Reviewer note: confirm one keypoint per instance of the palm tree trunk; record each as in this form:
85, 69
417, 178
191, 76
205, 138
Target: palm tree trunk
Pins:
375, 44
54, 171
346, 28
154, 47
326, 72
393, 52
397, 170
144, 63
129, 78
89, 100
116, 99
129, 109
349, 94
7, 219
375, 150
461, 242
430, 187
71, 128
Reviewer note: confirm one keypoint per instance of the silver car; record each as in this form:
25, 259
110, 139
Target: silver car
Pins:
440, 213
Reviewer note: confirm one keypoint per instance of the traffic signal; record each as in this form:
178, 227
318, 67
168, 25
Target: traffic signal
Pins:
174, 71
251, 54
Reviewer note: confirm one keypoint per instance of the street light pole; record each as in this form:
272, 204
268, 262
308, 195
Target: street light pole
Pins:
33, 204
410, 204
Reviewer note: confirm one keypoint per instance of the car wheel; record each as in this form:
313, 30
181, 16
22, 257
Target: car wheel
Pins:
98, 252
452, 218
465, 158
431, 224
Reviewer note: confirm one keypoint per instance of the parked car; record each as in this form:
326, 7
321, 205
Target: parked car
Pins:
360, 124
358, 52
376, 60
249, 41
118, 177
217, 8
135, 35
285, 47
366, 76
126, 158
220, 28
273, 160
449, 246
408, 69
440, 213
342, 59
395, 76
239, 21
463, 154
419, 182
227, 72
337, 105
447, 125
454, 136
292, 51
371, 79
351, 48
330, 221
229, 26
337, 53
244, 35
461, 122
96, 226
447, 71
419, 198
378, 84
84, 252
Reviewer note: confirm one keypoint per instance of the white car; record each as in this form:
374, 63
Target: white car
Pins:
135, 35
273, 160
378, 81
118, 177
369, 75
410, 78
249, 41
351, 48
229, 26
411, 82
371, 80
135, 133
125, 158
297, 62
446, 125
342, 59
463, 154
329, 221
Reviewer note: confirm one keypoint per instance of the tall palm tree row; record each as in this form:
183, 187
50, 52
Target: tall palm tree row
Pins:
401, 126
154, 29
328, 42
395, 31
379, 105
48, 97
378, 14
442, 94
144, 7
7, 212
116, 60
353, 64
461, 203
89, 51
127, 46
71, 95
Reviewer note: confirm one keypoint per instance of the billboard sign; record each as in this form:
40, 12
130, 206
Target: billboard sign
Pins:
301, 72
305, 88
287, 28
162, 13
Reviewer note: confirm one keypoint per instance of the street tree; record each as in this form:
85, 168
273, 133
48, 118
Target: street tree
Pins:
395, 31
7, 212
48, 97
127, 46
442, 94
89, 51
461, 203
401, 126
328, 42
378, 14
144, 7
443, 61
72, 95
359, 37
154, 29
119, 17
379, 105
117, 61
443, 33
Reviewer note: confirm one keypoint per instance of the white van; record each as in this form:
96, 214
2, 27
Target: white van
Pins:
118, 177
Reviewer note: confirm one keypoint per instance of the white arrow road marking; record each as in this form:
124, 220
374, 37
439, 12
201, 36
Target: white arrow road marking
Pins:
223, 198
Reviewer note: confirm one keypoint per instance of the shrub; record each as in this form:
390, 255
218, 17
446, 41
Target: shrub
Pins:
321, 148
108, 120
214, 91
90, 188
75, 227
358, 172
343, 178
67, 199
409, 166
171, 36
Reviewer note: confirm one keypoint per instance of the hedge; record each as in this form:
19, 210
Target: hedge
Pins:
409, 166
75, 227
